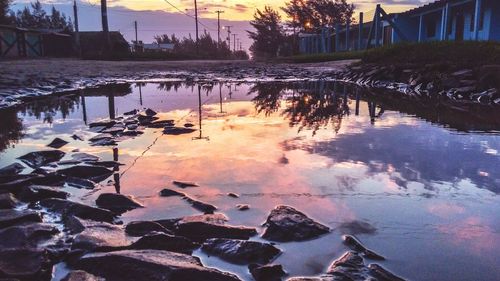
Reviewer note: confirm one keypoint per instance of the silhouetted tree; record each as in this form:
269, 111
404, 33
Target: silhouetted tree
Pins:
314, 14
268, 34
4, 12
35, 16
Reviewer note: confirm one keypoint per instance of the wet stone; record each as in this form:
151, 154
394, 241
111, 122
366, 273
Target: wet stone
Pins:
383, 274
155, 265
269, 272
80, 275
243, 207
357, 227
166, 192
101, 137
7, 201
80, 183
161, 124
184, 184
150, 112
201, 206
12, 169
93, 173
141, 228
25, 236
167, 242
285, 223
99, 236
177, 130
117, 203
188, 125
234, 195
35, 193
70, 208
12, 217
132, 112
57, 143
84, 157
241, 251
103, 123
41, 158
200, 230
356, 245
25, 264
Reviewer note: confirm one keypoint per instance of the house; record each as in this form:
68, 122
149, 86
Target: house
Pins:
141, 47
440, 20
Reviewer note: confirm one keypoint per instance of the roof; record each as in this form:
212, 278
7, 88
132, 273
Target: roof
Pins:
155, 46
430, 6
33, 30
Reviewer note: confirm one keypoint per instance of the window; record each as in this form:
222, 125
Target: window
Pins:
431, 28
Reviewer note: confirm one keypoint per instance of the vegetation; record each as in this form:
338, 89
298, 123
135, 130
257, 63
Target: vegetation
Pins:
466, 53
269, 33
34, 16
312, 15
323, 57
4, 11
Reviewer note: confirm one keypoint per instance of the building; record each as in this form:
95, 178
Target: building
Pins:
440, 20
93, 43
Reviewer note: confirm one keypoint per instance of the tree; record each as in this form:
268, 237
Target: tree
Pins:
268, 33
36, 17
4, 11
314, 14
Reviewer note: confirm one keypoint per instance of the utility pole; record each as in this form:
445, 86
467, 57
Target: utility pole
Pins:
105, 27
228, 36
77, 33
234, 42
196, 19
135, 26
218, 27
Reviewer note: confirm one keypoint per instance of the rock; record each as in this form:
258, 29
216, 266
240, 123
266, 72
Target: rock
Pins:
101, 237
269, 272
357, 227
26, 236
57, 143
356, 245
234, 195
103, 123
161, 124
184, 184
117, 203
70, 208
12, 169
201, 206
101, 137
151, 265
25, 264
35, 193
200, 231
146, 120
243, 207
116, 129
349, 266
80, 275
80, 183
93, 173
188, 125
132, 127
177, 130
77, 137
383, 274
132, 112
241, 251
167, 242
7, 201
169, 192
150, 112
41, 158
84, 157
285, 223
12, 217
141, 228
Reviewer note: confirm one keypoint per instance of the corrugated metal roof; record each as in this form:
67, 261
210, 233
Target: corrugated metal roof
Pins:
430, 6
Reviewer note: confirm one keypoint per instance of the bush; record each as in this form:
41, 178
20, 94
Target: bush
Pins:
323, 57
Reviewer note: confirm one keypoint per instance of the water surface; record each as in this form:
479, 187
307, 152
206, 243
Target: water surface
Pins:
418, 185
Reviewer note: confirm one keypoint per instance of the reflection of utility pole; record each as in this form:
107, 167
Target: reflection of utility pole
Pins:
140, 94
357, 102
116, 169
220, 98
200, 117
234, 42
84, 107
111, 105
371, 109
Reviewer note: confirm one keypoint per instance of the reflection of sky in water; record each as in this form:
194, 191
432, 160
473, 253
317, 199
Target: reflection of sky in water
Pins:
430, 192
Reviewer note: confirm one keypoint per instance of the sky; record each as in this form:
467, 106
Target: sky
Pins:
160, 17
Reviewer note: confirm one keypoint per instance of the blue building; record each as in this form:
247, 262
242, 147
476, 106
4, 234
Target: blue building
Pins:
439, 20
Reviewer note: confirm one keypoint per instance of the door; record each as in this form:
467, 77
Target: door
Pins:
459, 28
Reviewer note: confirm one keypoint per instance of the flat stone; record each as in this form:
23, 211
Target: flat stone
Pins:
166, 192
150, 112
79, 210
234, 195
356, 245
285, 223
84, 157
243, 207
161, 124
7, 201
132, 112
25, 264
200, 231
188, 125
117, 203
177, 130
80, 183
10, 217
167, 242
80, 275
151, 265
35, 193
184, 184
99, 236
241, 251
101, 137
57, 143
141, 228
102, 123
201, 206
12, 169
41, 158
25, 236
269, 272
93, 173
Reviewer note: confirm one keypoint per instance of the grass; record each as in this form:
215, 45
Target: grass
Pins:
467, 53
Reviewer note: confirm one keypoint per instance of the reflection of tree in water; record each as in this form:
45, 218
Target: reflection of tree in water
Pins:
309, 105
11, 128
47, 108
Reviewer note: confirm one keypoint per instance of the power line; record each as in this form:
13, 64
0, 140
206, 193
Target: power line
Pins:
188, 15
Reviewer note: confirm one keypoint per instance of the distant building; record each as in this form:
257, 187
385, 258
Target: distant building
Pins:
92, 43
140, 47
440, 20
